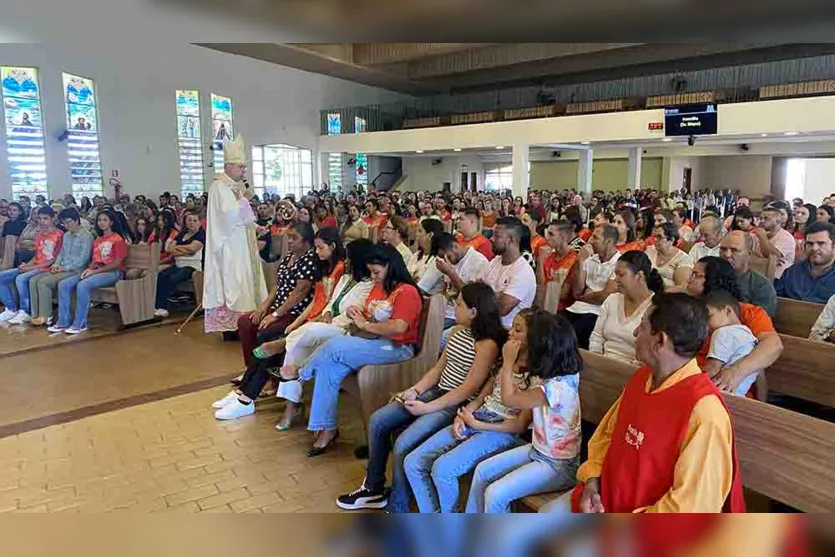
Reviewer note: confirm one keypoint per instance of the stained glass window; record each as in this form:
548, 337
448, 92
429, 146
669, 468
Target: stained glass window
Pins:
334, 123
335, 171
83, 142
221, 126
282, 170
359, 124
24, 131
188, 135
362, 169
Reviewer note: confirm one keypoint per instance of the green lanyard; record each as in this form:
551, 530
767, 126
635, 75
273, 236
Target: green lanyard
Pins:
351, 283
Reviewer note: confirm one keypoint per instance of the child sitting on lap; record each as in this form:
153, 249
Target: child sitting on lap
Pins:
730, 340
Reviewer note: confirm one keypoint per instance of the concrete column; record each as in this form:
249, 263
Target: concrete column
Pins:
633, 180
521, 177
584, 171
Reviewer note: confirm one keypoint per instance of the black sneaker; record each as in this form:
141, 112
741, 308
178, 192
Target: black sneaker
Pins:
362, 498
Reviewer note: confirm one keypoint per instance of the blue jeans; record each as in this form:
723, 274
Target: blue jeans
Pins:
517, 473
334, 361
83, 289
433, 468
385, 422
21, 282
167, 282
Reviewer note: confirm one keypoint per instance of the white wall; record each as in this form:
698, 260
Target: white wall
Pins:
673, 172
423, 175
135, 86
819, 180
749, 174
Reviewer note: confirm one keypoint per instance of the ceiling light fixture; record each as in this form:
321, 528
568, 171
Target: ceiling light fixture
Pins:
763, 135
585, 142
499, 146
457, 150
791, 133
418, 151
667, 139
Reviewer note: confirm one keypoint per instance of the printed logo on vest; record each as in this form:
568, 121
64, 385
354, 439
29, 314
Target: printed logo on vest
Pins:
634, 437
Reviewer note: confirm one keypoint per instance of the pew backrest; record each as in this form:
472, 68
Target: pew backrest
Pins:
795, 317
805, 370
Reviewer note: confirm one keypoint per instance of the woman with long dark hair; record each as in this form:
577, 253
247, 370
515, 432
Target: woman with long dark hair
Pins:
431, 404
550, 461
106, 269
423, 260
384, 331
622, 311
624, 221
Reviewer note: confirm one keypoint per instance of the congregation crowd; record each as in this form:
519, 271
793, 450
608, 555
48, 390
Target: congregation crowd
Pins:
670, 282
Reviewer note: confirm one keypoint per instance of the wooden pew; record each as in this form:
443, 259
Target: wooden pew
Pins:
783, 455
7, 252
136, 296
805, 370
795, 317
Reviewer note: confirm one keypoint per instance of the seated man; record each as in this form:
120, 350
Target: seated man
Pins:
710, 230
593, 281
47, 246
470, 236
667, 444
556, 260
753, 286
461, 263
812, 280
774, 240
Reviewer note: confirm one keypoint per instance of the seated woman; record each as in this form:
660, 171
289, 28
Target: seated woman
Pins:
550, 462
624, 221
187, 250
713, 273
423, 266
384, 331
483, 428
431, 404
165, 229
673, 264
355, 228
106, 269
621, 312
142, 232
25, 249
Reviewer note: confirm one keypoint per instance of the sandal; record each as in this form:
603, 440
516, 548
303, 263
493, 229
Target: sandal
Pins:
316, 451
285, 425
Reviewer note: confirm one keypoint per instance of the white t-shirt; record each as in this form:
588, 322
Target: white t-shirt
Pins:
597, 275
668, 271
471, 266
405, 252
700, 250
517, 280
613, 334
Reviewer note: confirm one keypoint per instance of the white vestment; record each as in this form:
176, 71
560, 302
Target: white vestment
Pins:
234, 278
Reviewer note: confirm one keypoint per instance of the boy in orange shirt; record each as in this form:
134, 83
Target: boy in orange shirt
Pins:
47, 246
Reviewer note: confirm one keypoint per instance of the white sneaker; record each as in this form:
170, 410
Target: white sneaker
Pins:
7, 315
21, 318
235, 409
161, 313
76, 331
218, 404
56, 329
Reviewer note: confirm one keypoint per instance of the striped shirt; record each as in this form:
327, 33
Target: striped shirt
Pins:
460, 354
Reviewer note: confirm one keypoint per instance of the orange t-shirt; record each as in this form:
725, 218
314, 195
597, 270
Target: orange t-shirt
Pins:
109, 249
637, 245
47, 246
552, 264
405, 304
488, 220
320, 300
478, 243
379, 221
536, 244
584, 234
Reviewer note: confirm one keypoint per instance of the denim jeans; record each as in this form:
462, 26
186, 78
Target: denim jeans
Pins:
517, 473
83, 289
167, 282
383, 424
334, 361
21, 282
434, 467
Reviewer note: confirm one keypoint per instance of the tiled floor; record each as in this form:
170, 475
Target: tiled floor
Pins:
173, 456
